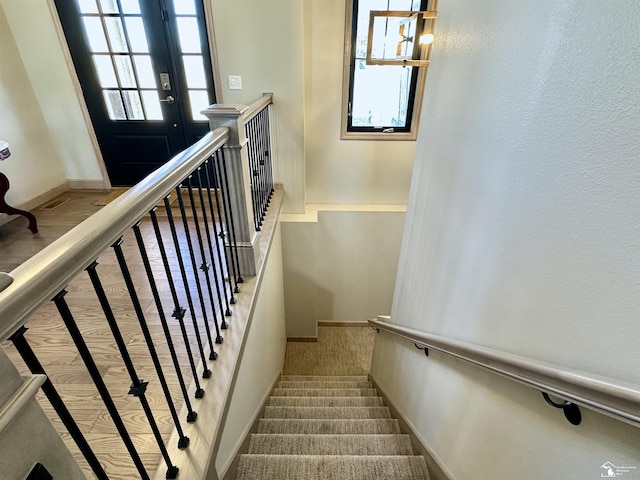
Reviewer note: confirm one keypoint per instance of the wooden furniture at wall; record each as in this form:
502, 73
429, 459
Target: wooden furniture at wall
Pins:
8, 209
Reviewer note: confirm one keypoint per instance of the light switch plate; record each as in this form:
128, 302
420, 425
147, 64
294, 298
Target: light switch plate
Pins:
235, 82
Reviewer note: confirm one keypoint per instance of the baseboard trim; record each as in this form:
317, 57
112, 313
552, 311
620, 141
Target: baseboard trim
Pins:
302, 339
80, 184
330, 323
437, 469
230, 470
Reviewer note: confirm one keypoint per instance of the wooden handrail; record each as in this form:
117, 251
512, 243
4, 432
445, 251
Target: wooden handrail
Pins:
609, 396
37, 280
257, 106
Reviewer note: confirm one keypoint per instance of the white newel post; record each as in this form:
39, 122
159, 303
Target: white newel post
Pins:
237, 165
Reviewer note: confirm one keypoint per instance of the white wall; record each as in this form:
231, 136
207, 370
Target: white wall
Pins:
522, 232
261, 42
23, 126
339, 266
262, 361
34, 29
343, 171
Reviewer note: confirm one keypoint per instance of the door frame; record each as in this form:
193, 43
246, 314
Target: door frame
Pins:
73, 75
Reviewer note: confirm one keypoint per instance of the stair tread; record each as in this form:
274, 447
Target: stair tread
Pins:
326, 412
324, 392
324, 384
315, 378
301, 444
330, 426
326, 401
332, 467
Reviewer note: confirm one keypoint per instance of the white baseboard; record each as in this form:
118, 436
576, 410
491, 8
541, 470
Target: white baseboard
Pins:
437, 469
97, 184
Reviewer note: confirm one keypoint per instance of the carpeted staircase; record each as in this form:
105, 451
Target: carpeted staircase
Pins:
329, 428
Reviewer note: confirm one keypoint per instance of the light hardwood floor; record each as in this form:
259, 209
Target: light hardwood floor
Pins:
53, 346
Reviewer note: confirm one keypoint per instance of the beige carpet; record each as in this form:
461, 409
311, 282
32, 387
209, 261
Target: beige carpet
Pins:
312, 431
338, 351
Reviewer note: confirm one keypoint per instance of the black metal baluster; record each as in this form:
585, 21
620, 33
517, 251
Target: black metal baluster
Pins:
225, 234
233, 244
262, 179
269, 162
183, 441
85, 354
223, 325
253, 167
222, 259
35, 367
178, 311
206, 373
194, 266
138, 386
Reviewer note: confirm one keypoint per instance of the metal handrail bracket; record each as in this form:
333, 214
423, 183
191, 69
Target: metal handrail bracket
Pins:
609, 396
37, 280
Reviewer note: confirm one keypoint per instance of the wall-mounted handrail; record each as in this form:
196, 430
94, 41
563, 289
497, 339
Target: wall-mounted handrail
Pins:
609, 396
37, 280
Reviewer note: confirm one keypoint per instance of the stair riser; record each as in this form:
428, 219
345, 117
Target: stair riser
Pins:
326, 412
322, 467
320, 384
324, 392
334, 427
330, 445
326, 402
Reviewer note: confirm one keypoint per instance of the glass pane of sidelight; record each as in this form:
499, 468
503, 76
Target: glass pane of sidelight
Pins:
95, 34
199, 100
189, 34
114, 105
130, 6
146, 77
87, 6
104, 69
152, 104
125, 71
109, 6
133, 105
137, 35
194, 71
116, 34
184, 7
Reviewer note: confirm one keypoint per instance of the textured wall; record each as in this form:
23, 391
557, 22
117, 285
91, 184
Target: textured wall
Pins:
522, 231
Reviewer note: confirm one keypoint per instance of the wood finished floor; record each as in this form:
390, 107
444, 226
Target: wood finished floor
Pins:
49, 338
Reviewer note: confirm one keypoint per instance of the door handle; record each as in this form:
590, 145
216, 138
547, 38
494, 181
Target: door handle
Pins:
169, 99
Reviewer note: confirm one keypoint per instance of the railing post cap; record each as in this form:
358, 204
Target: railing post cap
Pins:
228, 116
224, 109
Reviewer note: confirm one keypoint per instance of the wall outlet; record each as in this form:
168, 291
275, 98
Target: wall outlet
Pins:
235, 82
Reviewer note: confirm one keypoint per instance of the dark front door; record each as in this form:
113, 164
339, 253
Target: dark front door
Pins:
145, 71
